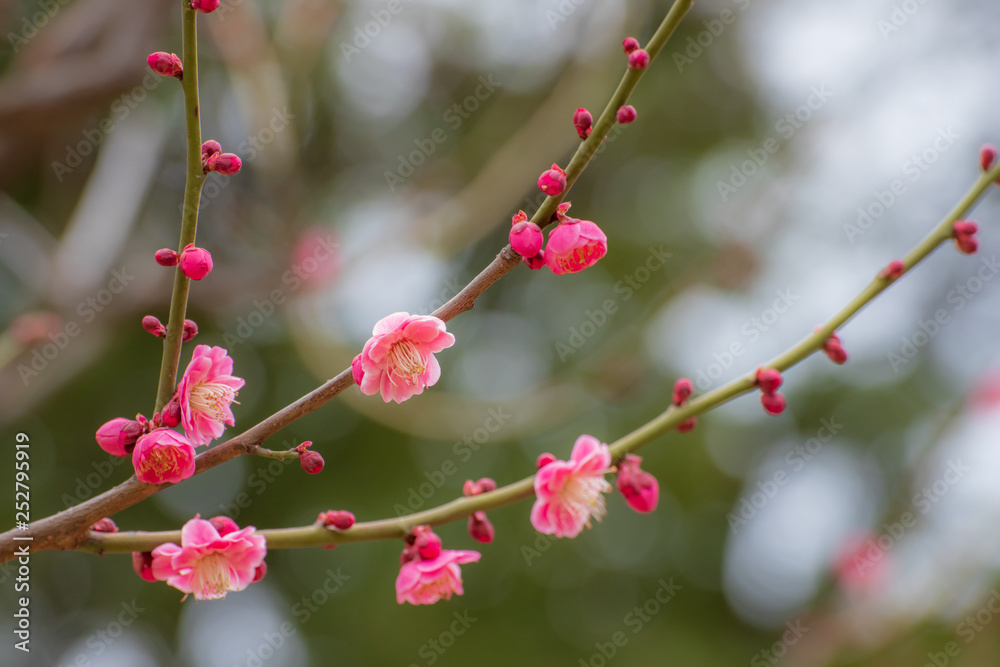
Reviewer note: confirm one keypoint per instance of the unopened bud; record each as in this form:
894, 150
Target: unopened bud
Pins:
165, 64
224, 525
774, 403
142, 563
583, 121
480, 528
104, 525
339, 519
153, 325
166, 257
638, 59
769, 379
682, 391
190, 330
630, 44
626, 114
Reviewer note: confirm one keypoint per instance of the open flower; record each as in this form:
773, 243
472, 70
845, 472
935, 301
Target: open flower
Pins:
427, 581
163, 456
206, 392
575, 245
207, 564
398, 360
569, 492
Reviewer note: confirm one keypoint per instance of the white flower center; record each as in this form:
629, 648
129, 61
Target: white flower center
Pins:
213, 398
405, 358
585, 496
212, 577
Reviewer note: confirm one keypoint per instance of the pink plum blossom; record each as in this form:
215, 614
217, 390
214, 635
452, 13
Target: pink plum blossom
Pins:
569, 493
398, 360
525, 236
427, 581
207, 564
206, 393
575, 245
163, 456
552, 181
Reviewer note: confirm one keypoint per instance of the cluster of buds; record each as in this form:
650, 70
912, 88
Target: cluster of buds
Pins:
480, 527
312, 462
213, 159
834, 349
639, 488
637, 58
682, 391
152, 325
964, 233
769, 380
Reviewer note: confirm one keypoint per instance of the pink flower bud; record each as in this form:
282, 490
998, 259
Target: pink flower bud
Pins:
487, 484
171, 414
196, 263
768, 379
484, 485
526, 238
834, 349
427, 544
583, 121
553, 181
638, 59
965, 227
544, 460
224, 525
630, 44
964, 232
687, 425
118, 436
190, 330
142, 563
210, 148
357, 370
226, 164
166, 257
339, 519
893, 271
260, 572
165, 64
774, 403
640, 489
104, 525
682, 391
987, 156
480, 528
536, 262
312, 462
153, 325
205, 6
626, 114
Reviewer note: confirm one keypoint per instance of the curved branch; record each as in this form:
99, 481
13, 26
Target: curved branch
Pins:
671, 418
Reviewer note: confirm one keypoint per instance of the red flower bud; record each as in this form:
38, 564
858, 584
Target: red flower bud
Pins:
583, 121
536, 262
774, 403
312, 462
893, 271
338, 519
224, 525
552, 181
987, 156
165, 64
196, 263
480, 528
142, 563
205, 6
638, 59
682, 391
768, 379
104, 525
630, 44
626, 114
166, 257
190, 330
171, 414
834, 349
153, 325
687, 425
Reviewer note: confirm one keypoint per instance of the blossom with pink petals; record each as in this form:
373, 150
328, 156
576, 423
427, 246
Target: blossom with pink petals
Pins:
427, 581
206, 393
640, 489
552, 181
569, 493
398, 360
163, 456
575, 245
196, 263
207, 564
525, 236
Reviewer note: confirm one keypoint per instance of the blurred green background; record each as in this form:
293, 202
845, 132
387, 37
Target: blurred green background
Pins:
783, 153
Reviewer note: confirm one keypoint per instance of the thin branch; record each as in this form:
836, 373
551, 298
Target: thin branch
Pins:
69, 528
189, 217
317, 535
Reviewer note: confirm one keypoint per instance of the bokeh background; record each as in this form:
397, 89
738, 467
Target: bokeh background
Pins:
858, 528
